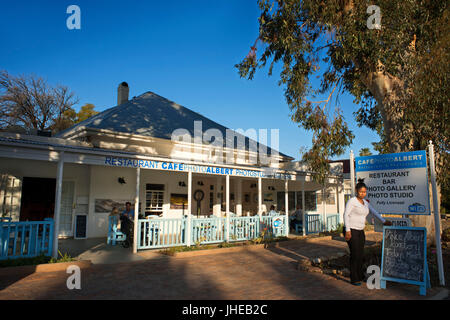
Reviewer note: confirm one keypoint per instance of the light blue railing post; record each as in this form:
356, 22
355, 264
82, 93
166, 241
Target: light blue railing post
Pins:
25, 239
244, 228
332, 222
51, 224
162, 233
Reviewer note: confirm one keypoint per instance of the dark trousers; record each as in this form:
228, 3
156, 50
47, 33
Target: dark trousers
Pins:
127, 227
294, 223
356, 246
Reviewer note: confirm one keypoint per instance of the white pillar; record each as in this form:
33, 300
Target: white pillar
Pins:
259, 197
352, 172
217, 206
338, 200
337, 196
238, 196
437, 217
324, 209
57, 214
189, 217
303, 207
227, 204
286, 199
136, 210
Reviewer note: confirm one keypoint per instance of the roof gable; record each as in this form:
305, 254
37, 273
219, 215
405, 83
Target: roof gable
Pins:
150, 115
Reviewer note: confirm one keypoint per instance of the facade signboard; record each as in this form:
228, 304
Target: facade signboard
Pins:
183, 167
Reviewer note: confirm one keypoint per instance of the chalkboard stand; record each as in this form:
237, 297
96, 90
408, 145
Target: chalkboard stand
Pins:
423, 285
422, 288
80, 226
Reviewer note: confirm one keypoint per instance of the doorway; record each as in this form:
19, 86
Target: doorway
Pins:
38, 199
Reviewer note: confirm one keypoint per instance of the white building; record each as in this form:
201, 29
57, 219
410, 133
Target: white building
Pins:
126, 153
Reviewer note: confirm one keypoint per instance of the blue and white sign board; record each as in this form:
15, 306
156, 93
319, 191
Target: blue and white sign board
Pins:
397, 183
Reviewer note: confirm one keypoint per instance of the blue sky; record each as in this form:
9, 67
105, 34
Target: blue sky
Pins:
182, 50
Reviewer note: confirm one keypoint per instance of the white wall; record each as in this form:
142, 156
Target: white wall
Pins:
100, 182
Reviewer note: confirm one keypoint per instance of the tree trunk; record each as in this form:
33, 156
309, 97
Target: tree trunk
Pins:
384, 88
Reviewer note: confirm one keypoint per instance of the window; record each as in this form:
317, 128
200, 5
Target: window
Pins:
154, 199
310, 200
211, 200
281, 200
329, 197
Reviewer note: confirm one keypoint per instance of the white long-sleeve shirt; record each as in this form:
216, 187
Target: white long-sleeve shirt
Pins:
356, 213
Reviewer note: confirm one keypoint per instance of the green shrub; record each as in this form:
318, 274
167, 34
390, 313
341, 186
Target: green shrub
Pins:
63, 258
339, 229
41, 259
226, 245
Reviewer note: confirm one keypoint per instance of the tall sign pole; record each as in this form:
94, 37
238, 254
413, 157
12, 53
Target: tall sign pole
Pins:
437, 217
352, 172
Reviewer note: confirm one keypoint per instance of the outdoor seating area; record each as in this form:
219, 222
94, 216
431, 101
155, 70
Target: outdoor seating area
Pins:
163, 232
32, 238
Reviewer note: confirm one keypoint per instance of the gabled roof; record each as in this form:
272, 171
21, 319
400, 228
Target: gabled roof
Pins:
150, 115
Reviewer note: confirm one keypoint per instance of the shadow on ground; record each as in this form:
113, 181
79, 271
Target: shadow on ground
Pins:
266, 274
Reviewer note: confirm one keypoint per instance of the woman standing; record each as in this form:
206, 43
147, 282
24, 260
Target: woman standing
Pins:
355, 214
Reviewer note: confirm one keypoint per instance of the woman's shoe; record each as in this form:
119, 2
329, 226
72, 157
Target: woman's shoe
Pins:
356, 283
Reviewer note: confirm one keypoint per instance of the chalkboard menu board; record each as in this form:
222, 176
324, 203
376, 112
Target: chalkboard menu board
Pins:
404, 256
80, 226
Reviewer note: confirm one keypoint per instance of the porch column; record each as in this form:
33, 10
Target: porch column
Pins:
189, 217
57, 214
227, 210
324, 209
238, 196
338, 200
136, 210
217, 206
259, 197
303, 206
286, 205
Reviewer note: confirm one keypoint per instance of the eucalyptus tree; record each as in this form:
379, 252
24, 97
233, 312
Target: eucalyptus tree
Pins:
392, 58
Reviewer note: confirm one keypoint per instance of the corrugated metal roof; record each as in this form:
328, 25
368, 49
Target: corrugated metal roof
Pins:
150, 115
23, 140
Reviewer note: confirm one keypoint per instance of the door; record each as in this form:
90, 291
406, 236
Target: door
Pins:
66, 215
38, 199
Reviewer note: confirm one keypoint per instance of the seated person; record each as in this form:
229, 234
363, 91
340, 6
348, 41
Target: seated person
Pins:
297, 217
128, 212
115, 212
127, 218
272, 211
